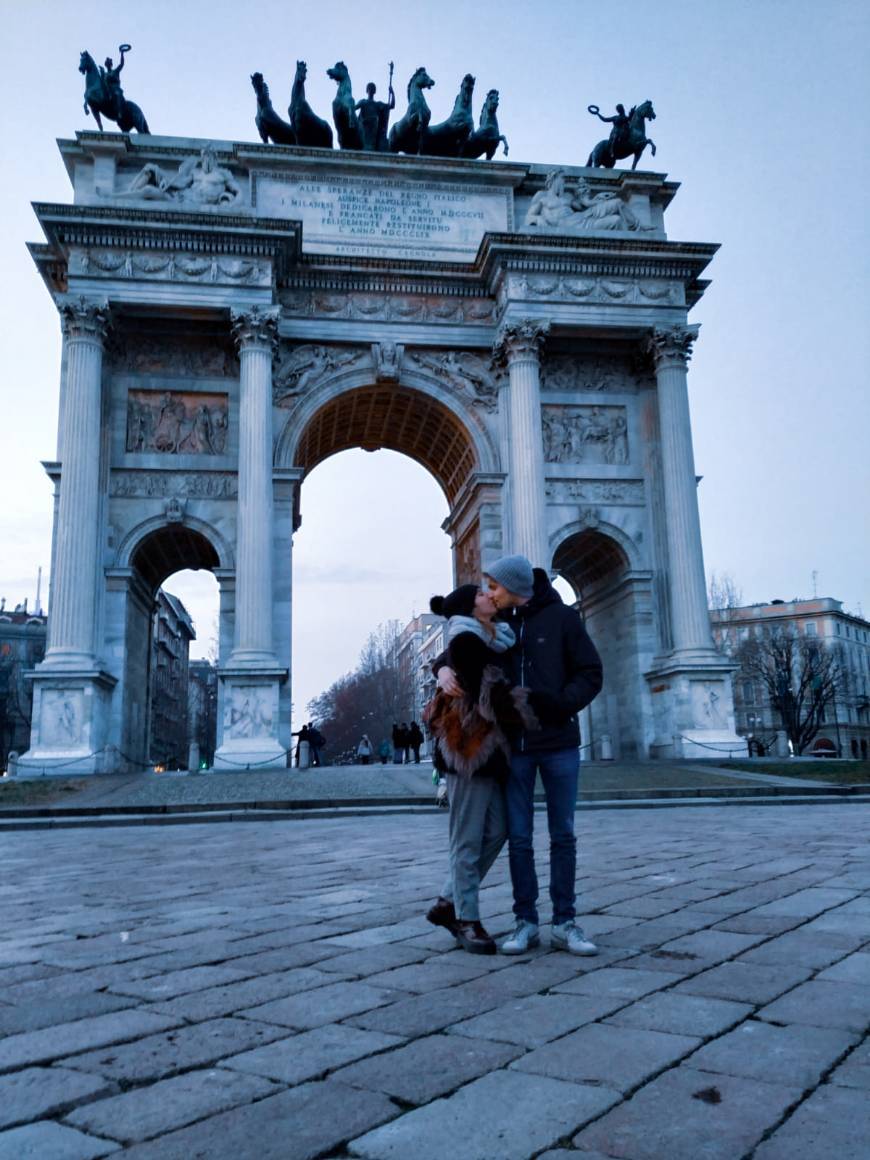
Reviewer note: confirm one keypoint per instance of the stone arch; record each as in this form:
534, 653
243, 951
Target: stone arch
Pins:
186, 540
417, 417
614, 598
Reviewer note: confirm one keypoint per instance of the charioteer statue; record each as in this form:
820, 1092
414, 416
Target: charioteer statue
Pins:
104, 96
374, 116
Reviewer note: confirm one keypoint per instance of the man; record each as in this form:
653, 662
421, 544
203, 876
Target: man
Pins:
112, 81
559, 664
373, 118
619, 133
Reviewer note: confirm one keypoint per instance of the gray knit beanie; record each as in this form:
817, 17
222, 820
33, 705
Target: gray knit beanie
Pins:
514, 573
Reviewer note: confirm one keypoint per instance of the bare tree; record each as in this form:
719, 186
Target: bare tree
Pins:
724, 591
801, 676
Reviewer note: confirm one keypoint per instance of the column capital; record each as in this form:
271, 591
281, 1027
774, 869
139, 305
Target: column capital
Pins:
521, 339
82, 317
671, 345
255, 327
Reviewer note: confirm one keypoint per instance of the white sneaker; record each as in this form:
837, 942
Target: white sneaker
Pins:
525, 936
568, 936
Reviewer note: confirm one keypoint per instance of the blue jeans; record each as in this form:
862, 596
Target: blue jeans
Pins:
559, 769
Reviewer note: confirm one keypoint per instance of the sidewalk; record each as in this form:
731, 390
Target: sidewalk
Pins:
259, 992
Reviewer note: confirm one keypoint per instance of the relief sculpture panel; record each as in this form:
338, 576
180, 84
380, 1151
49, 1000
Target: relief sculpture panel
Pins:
176, 423
585, 434
572, 372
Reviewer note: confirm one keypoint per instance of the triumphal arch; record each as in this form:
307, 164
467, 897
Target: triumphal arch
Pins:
234, 313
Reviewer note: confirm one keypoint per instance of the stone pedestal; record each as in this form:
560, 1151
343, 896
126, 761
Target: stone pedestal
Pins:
519, 348
72, 692
252, 676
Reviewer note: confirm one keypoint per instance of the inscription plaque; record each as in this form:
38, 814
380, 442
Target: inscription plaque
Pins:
362, 215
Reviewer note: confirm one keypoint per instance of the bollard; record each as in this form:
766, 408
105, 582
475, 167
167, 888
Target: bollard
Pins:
12, 763
304, 754
606, 747
193, 757
782, 743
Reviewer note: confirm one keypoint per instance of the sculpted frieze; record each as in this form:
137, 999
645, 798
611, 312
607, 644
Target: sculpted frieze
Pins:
634, 291
628, 492
464, 373
299, 368
577, 209
199, 182
171, 267
176, 423
585, 434
299, 303
468, 558
173, 485
150, 354
63, 717
574, 372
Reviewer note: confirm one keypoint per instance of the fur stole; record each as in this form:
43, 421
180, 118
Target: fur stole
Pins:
470, 735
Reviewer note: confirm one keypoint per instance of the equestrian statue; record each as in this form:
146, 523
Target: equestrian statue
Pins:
309, 129
269, 125
344, 109
627, 137
104, 96
406, 136
447, 139
486, 137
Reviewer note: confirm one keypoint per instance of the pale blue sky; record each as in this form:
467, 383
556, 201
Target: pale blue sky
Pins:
762, 118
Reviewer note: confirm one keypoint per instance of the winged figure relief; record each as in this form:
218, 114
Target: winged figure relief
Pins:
464, 372
302, 366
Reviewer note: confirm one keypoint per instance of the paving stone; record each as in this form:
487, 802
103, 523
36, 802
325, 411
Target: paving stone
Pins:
616, 982
537, 1019
832, 1122
161, 1056
48, 1141
617, 1057
424, 1014
217, 1001
175, 983
802, 948
713, 945
853, 969
795, 1056
39, 1092
311, 1053
503, 1114
326, 1004
432, 975
374, 960
169, 1104
675, 963
68, 1038
750, 922
428, 1067
744, 982
855, 1070
299, 1124
686, 1114
845, 1005
284, 958
682, 1014
806, 903
46, 1012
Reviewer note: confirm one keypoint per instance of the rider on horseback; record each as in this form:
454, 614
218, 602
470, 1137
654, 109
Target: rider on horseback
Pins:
619, 133
112, 81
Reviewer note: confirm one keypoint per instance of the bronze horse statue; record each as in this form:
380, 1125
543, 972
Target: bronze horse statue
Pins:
447, 139
633, 141
269, 124
486, 137
310, 129
102, 101
344, 109
406, 136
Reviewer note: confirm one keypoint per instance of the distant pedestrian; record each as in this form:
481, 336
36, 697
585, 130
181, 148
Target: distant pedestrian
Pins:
316, 742
364, 750
415, 740
303, 735
385, 751
404, 744
398, 744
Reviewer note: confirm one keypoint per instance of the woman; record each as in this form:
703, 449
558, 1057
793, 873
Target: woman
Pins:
364, 750
472, 750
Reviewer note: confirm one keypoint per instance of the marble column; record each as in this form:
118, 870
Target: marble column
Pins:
518, 347
671, 348
255, 332
249, 728
71, 626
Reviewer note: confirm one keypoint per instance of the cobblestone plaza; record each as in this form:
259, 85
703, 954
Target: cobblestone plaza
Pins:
272, 990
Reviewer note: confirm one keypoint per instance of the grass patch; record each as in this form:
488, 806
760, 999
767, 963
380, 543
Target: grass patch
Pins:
38, 791
840, 772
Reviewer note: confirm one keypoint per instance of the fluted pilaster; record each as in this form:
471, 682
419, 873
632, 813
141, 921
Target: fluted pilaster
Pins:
72, 627
671, 349
255, 331
518, 347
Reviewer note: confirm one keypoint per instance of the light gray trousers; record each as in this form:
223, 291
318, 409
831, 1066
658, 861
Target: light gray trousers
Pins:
478, 830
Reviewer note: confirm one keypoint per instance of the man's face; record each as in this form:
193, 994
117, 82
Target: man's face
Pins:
501, 598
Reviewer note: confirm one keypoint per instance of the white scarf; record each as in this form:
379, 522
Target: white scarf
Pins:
504, 635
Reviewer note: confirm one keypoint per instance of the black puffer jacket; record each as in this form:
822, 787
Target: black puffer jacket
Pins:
555, 659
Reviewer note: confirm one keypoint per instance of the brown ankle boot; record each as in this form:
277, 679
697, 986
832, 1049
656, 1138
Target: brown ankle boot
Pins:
473, 938
442, 914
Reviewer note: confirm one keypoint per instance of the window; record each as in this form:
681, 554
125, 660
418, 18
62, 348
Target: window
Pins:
748, 693
812, 629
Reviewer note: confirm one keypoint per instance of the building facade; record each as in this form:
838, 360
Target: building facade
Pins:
521, 331
845, 729
202, 709
171, 634
22, 647
422, 639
